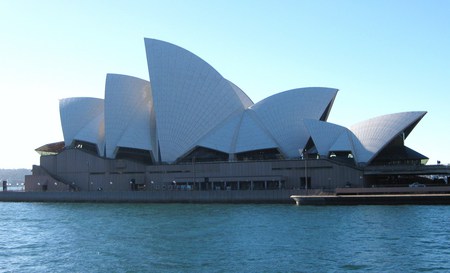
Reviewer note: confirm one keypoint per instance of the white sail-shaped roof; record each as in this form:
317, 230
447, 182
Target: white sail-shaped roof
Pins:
240, 133
188, 104
324, 135
252, 135
283, 114
374, 134
347, 141
246, 101
128, 112
222, 137
82, 119
190, 97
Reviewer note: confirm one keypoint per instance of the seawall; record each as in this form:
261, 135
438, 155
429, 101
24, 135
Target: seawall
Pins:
384, 199
262, 196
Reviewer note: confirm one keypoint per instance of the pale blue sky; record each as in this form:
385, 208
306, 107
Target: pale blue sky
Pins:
384, 57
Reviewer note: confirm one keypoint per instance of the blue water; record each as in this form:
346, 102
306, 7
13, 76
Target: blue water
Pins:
40, 237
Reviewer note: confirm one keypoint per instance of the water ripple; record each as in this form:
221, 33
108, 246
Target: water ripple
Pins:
41, 237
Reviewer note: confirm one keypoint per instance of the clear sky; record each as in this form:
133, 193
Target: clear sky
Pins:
383, 56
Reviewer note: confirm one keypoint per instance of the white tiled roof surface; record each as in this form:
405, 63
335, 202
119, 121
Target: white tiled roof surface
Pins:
82, 119
283, 114
325, 134
190, 97
252, 135
374, 134
188, 104
128, 105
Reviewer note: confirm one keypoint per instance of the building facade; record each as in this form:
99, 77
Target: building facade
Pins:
188, 128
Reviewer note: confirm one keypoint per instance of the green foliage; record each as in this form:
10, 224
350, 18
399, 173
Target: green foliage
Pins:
14, 175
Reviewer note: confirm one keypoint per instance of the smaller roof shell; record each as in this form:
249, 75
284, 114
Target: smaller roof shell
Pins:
282, 115
128, 114
325, 135
82, 119
374, 134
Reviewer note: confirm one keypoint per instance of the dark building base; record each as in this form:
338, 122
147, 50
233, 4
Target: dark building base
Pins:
265, 196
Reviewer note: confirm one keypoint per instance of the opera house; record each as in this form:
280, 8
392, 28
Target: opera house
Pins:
188, 128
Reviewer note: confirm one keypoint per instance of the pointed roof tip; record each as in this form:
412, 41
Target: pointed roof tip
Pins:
314, 88
205, 90
123, 76
324, 92
148, 41
418, 115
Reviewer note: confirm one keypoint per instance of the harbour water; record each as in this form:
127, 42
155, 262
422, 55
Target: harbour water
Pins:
83, 237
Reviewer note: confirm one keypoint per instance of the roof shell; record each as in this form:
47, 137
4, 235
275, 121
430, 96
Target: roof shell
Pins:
190, 97
374, 134
188, 103
128, 114
221, 138
252, 135
82, 119
325, 135
282, 115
